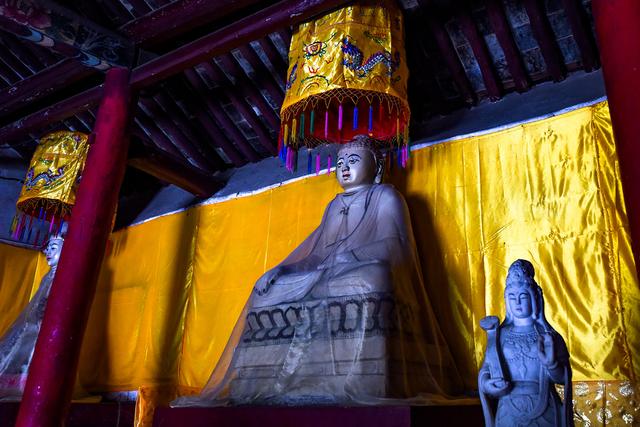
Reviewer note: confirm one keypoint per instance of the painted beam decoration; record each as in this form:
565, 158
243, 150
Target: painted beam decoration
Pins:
347, 75
49, 189
48, 24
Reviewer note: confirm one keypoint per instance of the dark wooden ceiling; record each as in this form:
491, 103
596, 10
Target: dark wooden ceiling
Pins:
222, 111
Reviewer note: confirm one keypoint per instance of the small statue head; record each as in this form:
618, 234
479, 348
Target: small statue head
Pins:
54, 246
359, 163
522, 295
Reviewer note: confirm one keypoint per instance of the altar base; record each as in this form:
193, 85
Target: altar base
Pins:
371, 416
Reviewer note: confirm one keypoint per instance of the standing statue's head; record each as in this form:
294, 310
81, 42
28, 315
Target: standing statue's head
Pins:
54, 247
522, 295
359, 164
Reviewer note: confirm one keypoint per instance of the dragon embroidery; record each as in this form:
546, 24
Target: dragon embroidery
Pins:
354, 59
292, 76
48, 177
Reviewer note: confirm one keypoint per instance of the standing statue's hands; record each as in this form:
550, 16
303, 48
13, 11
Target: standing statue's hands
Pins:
265, 282
496, 387
546, 350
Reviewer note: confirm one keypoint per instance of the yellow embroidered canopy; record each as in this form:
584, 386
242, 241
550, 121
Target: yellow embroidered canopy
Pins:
48, 192
347, 76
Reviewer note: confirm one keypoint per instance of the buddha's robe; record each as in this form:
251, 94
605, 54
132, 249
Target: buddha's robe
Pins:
346, 321
19, 341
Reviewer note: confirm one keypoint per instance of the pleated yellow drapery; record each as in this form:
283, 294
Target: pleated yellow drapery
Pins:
548, 191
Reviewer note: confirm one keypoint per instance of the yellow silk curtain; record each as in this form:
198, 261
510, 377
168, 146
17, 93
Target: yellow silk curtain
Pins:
549, 191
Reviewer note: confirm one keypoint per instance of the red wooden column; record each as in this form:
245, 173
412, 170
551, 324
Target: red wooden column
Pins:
618, 31
53, 369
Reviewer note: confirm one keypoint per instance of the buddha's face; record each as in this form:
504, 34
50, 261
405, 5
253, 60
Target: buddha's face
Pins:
52, 251
355, 167
520, 305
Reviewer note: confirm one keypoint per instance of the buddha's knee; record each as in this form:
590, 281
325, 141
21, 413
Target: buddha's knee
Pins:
362, 279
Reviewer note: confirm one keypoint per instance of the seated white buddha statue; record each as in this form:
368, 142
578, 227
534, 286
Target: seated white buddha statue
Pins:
344, 319
18, 342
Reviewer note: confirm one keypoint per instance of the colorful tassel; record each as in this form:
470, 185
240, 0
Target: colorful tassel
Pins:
340, 117
326, 124
355, 117
21, 225
370, 128
397, 130
309, 162
312, 121
14, 224
329, 164
37, 239
30, 228
294, 129
317, 163
286, 133
302, 126
288, 159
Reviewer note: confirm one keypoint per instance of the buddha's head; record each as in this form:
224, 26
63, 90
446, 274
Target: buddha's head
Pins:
359, 164
523, 296
53, 249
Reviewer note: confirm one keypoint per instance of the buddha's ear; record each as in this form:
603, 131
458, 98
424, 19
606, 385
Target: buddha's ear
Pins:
379, 171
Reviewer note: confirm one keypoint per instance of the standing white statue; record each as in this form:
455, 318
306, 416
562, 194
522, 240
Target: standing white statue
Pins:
524, 359
344, 318
18, 342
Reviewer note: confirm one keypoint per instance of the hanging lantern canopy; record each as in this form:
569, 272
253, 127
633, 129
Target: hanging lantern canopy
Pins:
49, 189
347, 76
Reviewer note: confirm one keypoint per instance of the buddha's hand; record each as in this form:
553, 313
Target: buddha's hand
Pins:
496, 387
546, 350
264, 283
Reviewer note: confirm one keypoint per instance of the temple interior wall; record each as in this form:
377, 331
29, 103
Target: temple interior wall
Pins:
172, 288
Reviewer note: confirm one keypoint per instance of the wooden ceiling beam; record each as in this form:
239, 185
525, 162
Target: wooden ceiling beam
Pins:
492, 82
166, 169
546, 39
49, 24
274, 56
199, 112
502, 30
179, 17
178, 116
175, 134
448, 52
285, 35
264, 76
162, 141
583, 37
66, 72
250, 90
241, 105
241, 32
224, 122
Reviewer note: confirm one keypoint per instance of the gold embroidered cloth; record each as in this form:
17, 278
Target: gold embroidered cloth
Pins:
53, 173
352, 57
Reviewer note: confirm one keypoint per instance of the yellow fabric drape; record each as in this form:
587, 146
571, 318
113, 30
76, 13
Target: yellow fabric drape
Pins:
549, 191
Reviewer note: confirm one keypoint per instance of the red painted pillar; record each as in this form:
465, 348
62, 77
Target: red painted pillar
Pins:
52, 374
618, 31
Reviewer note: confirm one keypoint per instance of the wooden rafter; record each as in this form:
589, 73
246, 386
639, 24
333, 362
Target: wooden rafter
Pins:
241, 32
